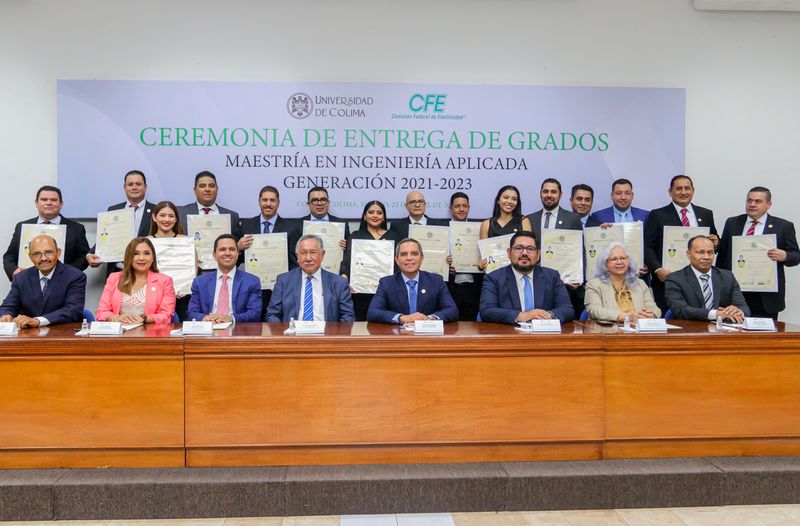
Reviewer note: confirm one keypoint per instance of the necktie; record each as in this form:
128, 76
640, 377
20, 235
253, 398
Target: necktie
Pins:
707, 297
528, 290
752, 230
308, 301
547, 217
224, 299
47, 222
136, 207
684, 217
206, 210
265, 227
412, 296
44, 281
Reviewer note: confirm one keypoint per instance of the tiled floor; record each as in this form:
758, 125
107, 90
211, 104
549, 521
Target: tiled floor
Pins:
782, 515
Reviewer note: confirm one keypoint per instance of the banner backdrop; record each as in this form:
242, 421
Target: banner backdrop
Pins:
363, 141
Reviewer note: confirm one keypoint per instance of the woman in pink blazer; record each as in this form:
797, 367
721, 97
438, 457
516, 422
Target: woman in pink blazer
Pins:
138, 293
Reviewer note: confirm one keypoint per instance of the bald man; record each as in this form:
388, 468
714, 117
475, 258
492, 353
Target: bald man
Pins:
415, 204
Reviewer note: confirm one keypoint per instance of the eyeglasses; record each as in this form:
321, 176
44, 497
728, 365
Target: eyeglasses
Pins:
416, 202
48, 253
519, 249
319, 201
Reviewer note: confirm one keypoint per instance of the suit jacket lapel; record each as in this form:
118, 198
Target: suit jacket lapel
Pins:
53, 280
695, 284
538, 288
511, 284
237, 284
327, 292
403, 289
716, 287
211, 288
37, 299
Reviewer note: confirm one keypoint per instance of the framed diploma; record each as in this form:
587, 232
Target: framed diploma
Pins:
176, 257
751, 266
464, 236
595, 240
634, 241
30, 231
495, 251
370, 260
562, 250
331, 233
676, 240
115, 229
204, 229
435, 241
267, 257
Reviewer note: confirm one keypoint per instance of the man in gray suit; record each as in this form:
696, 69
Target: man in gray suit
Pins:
701, 292
206, 190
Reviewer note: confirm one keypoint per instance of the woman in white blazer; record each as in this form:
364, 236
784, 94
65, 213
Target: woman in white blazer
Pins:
616, 291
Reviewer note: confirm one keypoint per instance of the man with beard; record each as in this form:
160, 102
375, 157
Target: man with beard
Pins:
524, 291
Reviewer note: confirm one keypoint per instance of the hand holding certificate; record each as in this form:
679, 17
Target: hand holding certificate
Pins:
435, 242
676, 244
267, 257
115, 229
370, 260
464, 236
562, 250
751, 266
204, 229
495, 251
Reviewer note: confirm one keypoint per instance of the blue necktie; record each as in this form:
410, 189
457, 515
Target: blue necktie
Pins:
528, 291
266, 227
308, 301
412, 296
45, 281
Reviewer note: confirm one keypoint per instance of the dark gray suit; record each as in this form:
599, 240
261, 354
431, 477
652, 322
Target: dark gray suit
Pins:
685, 297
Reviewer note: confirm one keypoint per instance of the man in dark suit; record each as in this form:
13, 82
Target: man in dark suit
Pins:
411, 294
310, 292
48, 292
621, 211
49, 204
524, 291
465, 287
318, 206
206, 190
757, 222
135, 187
415, 204
680, 212
227, 294
581, 200
269, 222
701, 292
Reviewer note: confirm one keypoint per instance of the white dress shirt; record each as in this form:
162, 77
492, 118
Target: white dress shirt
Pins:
55, 221
553, 218
689, 214
712, 314
44, 322
421, 221
214, 209
316, 295
759, 227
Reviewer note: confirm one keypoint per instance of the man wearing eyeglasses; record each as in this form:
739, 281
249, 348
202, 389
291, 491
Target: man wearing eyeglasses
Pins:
318, 204
524, 291
47, 293
415, 204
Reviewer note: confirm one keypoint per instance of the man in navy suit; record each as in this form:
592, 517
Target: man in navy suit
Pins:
310, 293
758, 222
135, 187
48, 292
206, 191
227, 294
621, 211
524, 291
680, 212
49, 204
411, 294
416, 205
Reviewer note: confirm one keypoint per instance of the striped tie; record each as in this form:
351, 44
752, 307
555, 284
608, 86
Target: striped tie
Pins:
684, 217
707, 296
308, 301
44, 281
752, 230
224, 299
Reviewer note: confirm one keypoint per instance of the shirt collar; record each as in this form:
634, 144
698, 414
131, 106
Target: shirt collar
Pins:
518, 275
422, 220
55, 221
230, 274
697, 273
622, 213
688, 207
316, 275
200, 207
406, 280
326, 217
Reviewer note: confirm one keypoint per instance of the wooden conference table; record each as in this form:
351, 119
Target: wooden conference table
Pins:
368, 393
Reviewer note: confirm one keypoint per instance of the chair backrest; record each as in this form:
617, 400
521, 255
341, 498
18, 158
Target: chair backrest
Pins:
175, 318
668, 314
88, 315
584, 315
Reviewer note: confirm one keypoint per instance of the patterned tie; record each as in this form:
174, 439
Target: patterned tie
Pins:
707, 296
308, 301
224, 299
206, 210
44, 281
412, 296
265, 227
547, 217
684, 217
752, 230
528, 292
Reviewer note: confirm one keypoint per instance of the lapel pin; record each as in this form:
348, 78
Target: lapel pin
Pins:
769, 226
699, 220
152, 289
422, 291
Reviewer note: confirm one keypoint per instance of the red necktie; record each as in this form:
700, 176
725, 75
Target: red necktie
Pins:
752, 230
206, 210
684, 218
224, 299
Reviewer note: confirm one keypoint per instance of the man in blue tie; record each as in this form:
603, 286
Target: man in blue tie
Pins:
524, 291
310, 293
47, 293
411, 294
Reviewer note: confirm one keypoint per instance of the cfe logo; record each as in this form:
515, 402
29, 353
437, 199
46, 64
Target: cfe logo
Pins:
299, 105
431, 102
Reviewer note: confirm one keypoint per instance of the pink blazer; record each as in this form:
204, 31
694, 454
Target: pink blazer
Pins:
159, 300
